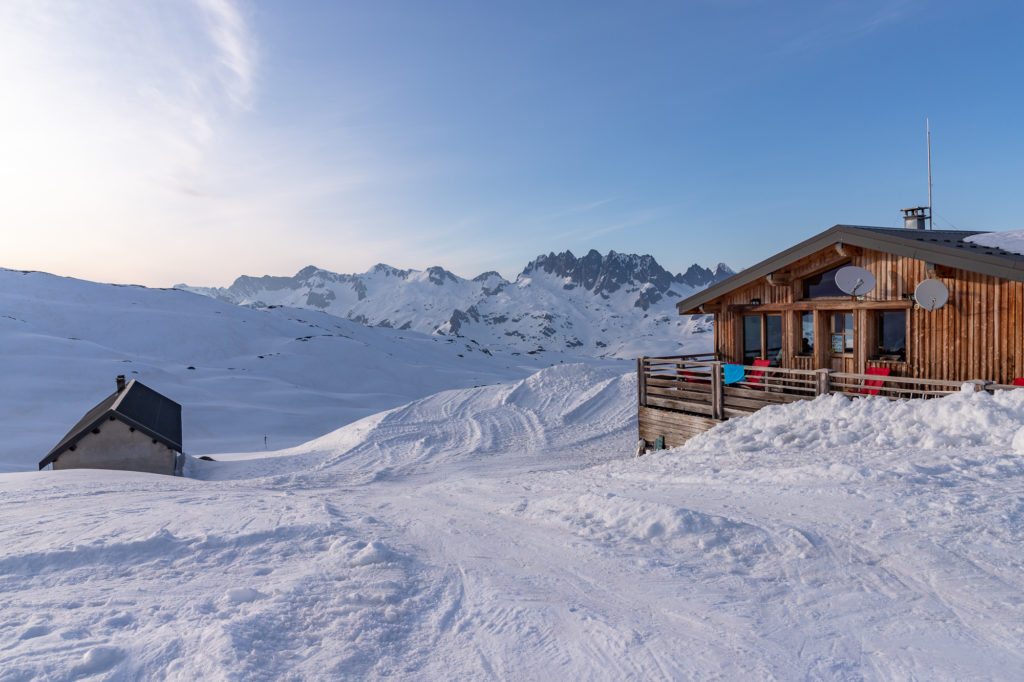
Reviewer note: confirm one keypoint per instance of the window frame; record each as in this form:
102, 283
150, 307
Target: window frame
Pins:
849, 334
803, 285
876, 353
798, 333
762, 318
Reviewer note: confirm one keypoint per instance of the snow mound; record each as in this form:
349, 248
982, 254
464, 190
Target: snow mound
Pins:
1018, 441
242, 595
834, 421
373, 553
1010, 240
551, 413
620, 518
97, 660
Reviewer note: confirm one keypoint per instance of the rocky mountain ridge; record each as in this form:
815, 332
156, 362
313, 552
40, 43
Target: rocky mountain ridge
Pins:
611, 305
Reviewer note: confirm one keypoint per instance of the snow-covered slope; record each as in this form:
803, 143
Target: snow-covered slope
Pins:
240, 374
618, 305
504, 532
382, 297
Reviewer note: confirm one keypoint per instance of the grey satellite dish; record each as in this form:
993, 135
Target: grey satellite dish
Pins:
855, 281
931, 294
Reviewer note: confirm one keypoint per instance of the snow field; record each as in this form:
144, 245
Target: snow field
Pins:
293, 590
506, 532
239, 374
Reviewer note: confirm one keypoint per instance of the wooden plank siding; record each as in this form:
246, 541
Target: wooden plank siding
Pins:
675, 427
979, 334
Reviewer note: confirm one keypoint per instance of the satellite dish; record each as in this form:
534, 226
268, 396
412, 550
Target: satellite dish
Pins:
931, 294
855, 281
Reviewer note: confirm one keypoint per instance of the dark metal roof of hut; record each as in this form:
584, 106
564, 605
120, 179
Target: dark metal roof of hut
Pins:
138, 406
941, 247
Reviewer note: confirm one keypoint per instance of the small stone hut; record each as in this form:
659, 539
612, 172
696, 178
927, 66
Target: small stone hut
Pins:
134, 429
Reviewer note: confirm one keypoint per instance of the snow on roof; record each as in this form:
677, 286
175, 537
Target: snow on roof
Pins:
1010, 240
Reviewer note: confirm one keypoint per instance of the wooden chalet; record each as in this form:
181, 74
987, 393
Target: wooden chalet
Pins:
788, 313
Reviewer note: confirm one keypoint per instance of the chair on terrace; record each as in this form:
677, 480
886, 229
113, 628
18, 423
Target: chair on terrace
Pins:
871, 386
693, 377
756, 375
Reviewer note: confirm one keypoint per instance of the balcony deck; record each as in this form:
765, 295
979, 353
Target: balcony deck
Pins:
682, 395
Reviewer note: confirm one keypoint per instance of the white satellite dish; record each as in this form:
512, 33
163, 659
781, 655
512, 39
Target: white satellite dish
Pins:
854, 281
931, 294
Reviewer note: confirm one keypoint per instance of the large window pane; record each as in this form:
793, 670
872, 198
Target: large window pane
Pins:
751, 338
807, 333
892, 333
773, 338
823, 285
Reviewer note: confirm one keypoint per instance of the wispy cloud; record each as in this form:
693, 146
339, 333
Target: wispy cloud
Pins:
831, 25
108, 107
236, 47
571, 210
172, 74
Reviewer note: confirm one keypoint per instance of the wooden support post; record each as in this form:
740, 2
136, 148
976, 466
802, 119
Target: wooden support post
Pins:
641, 382
824, 381
717, 410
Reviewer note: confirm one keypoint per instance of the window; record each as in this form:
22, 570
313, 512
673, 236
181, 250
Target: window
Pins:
751, 338
823, 285
773, 338
842, 333
891, 335
762, 338
806, 334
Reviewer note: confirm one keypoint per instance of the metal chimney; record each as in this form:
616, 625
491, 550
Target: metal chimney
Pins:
120, 383
915, 218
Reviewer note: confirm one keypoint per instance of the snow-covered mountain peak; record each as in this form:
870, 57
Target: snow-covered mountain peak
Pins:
722, 271
596, 304
386, 270
438, 275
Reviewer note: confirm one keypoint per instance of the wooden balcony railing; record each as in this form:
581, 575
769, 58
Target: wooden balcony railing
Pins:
694, 384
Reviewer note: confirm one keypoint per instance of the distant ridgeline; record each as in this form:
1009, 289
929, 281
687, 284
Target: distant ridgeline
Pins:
618, 305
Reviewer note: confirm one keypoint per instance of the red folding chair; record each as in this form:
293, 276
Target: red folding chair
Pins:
871, 386
693, 377
756, 374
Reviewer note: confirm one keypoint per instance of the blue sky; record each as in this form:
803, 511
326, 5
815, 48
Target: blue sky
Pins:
198, 140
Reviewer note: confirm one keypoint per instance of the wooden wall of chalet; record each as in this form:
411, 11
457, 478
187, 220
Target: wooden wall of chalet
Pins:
979, 334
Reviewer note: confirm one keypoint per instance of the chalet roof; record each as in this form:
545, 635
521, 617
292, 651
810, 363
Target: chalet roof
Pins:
941, 247
138, 406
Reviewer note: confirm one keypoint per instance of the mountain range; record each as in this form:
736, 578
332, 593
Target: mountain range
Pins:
613, 305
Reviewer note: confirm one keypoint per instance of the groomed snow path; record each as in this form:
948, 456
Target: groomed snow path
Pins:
506, 532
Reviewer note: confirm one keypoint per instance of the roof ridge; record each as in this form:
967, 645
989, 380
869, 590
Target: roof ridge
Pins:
897, 241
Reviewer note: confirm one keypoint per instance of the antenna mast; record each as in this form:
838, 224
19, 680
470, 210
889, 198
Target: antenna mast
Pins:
928, 138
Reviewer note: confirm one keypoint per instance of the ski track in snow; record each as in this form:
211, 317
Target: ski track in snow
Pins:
505, 532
